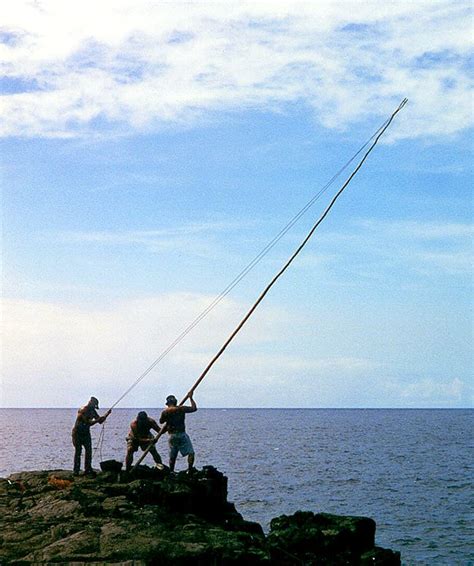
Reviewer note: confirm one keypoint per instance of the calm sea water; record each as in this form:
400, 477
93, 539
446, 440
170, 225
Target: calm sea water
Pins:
410, 470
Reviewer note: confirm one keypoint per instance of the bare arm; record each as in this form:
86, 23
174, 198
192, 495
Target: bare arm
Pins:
100, 420
154, 425
193, 408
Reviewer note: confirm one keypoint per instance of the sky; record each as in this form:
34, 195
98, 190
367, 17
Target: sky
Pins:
150, 150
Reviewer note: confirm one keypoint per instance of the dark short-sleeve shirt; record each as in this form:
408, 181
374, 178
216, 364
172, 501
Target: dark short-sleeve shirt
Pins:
175, 418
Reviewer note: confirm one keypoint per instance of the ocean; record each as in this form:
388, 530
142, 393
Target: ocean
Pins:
409, 469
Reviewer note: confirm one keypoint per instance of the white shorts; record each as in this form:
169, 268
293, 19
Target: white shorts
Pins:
180, 442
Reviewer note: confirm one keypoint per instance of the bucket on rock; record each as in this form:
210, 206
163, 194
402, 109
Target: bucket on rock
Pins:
111, 466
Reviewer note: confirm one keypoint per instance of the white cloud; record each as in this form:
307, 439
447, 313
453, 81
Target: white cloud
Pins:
265, 366
427, 248
442, 246
199, 239
446, 244
52, 353
58, 355
135, 236
421, 230
427, 391
451, 263
80, 68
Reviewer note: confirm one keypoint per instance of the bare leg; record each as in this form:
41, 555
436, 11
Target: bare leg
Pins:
190, 461
129, 458
172, 462
155, 455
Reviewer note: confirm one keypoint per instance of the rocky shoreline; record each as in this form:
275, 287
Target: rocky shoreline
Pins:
154, 517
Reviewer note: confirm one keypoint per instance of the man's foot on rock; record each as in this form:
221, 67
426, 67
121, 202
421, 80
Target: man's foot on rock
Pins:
159, 467
191, 471
90, 473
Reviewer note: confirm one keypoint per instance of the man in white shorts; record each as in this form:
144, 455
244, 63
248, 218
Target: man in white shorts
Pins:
179, 441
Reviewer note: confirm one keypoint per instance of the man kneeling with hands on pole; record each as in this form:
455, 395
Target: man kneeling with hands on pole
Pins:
179, 441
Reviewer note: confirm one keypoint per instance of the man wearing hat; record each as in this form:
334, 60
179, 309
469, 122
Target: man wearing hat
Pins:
140, 436
179, 441
87, 416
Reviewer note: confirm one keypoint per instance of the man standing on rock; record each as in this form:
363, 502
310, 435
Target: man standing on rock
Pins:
87, 416
140, 436
179, 441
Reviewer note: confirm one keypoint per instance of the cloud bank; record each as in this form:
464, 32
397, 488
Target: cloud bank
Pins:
83, 68
63, 350
54, 352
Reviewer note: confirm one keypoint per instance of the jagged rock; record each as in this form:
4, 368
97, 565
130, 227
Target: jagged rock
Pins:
155, 517
80, 545
116, 506
380, 557
326, 539
50, 508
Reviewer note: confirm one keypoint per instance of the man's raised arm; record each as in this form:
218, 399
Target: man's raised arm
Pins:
193, 408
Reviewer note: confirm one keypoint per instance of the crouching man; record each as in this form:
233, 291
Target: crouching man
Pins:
140, 436
179, 441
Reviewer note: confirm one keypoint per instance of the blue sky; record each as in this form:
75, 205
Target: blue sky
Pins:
150, 152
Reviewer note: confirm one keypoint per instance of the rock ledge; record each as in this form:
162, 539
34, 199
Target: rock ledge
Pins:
154, 517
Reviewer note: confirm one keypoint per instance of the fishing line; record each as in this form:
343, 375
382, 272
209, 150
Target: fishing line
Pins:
278, 275
248, 267
100, 442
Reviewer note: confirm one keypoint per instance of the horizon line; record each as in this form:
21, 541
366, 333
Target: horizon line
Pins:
252, 408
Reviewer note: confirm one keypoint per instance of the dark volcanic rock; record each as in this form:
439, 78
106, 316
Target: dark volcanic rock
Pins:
154, 517
326, 539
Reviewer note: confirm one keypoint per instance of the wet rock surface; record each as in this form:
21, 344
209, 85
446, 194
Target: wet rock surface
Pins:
154, 517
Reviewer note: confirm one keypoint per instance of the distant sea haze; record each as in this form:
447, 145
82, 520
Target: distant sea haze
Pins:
409, 469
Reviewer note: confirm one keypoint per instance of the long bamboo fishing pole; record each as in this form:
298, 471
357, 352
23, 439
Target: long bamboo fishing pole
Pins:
276, 277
